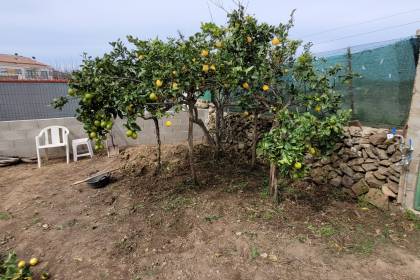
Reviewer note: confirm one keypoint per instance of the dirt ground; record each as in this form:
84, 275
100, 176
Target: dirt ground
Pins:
144, 226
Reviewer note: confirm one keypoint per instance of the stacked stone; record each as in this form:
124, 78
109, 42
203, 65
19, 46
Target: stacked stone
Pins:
239, 131
365, 163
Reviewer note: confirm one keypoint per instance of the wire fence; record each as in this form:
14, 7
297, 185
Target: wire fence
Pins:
32, 100
381, 95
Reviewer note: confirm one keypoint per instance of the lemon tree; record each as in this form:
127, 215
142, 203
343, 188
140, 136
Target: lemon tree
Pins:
308, 122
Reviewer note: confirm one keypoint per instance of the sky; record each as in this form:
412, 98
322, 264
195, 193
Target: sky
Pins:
57, 32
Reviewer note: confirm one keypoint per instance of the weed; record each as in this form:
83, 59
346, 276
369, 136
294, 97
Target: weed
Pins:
364, 247
327, 231
412, 217
212, 218
237, 187
267, 215
324, 231
254, 252
4, 216
176, 203
362, 202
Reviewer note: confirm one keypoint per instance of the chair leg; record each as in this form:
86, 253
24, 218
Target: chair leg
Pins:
38, 157
68, 153
89, 145
74, 152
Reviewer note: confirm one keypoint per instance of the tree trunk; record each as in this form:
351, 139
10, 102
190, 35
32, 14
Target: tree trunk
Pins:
159, 145
201, 124
254, 140
191, 141
219, 128
274, 191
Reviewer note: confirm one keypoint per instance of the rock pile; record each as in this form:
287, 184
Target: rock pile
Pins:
239, 131
365, 163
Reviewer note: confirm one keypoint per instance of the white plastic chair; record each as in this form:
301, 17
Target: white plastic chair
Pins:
52, 137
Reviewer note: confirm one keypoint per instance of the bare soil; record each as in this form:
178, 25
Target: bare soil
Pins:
147, 226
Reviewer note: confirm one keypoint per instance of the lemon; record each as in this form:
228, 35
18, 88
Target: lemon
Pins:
103, 124
204, 53
245, 85
45, 276
318, 108
153, 96
266, 87
219, 44
249, 39
97, 123
213, 67
312, 151
21, 264
205, 68
130, 108
140, 56
92, 134
71, 92
33, 261
129, 133
275, 41
298, 165
245, 114
168, 123
159, 83
174, 86
174, 73
88, 96
134, 135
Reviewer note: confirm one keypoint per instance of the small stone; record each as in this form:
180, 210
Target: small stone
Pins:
238, 233
379, 176
364, 154
355, 131
377, 199
272, 258
370, 153
348, 142
396, 157
360, 187
372, 181
382, 154
264, 255
394, 187
332, 175
356, 161
336, 182
391, 149
346, 169
45, 226
385, 163
347, 181
357, 168
358, 176
369, 166
386, 191
377, 138
397, 168
393, 178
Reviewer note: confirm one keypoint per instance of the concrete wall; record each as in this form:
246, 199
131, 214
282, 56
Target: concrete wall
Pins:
17, 138
409, 180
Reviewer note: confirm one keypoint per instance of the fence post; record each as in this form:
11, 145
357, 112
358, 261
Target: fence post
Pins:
350, 76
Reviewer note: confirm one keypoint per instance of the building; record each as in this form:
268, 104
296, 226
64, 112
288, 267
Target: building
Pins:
16, 67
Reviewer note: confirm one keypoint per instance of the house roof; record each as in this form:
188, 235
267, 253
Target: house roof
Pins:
17, 60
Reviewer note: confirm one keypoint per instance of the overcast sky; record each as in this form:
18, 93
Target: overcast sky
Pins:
58, 32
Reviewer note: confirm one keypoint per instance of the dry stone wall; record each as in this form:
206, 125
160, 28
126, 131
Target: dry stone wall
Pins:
364, 163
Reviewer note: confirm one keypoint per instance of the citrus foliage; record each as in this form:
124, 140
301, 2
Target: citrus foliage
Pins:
11, 268
254, 62
311, 121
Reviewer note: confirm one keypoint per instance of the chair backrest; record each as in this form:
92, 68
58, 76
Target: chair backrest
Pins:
54, 135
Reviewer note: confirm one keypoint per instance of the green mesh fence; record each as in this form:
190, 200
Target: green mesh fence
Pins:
381, 96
